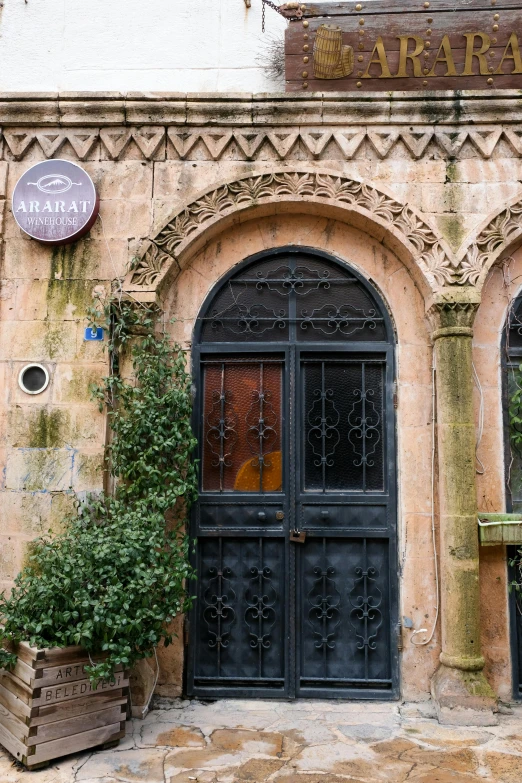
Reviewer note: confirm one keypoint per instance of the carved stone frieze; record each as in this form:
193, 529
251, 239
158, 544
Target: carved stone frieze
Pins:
261, 143
498, 234
427, 248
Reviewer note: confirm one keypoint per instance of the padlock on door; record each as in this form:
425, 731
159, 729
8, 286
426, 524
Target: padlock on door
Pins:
298, 536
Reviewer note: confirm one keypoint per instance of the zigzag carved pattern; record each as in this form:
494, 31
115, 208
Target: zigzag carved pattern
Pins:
180, 143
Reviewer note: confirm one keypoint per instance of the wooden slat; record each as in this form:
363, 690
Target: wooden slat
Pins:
12, 743
60, 693
16, 686
79, 724
25, 652
392, 85
389, 29
15, 705
24, 672
17, 727
84, 706
61, 656
56, 675
75, 743
377, 7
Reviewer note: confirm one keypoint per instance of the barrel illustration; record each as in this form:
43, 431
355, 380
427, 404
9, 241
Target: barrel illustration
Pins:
332, 60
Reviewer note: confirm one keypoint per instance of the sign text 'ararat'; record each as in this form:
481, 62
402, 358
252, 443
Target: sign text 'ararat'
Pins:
400, 45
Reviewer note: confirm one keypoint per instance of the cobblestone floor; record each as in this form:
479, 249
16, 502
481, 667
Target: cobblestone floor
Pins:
301, 742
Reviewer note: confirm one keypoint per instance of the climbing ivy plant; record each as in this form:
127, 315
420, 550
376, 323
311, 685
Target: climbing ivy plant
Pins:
116, 577
515, 435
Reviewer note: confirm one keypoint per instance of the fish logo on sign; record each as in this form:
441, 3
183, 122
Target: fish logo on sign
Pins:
54, 183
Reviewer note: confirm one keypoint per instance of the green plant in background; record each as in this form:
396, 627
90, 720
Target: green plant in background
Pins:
117, 576
514, 473
515, 409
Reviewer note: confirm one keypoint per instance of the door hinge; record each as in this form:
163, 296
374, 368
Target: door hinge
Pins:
395, 396
398, 631
186, 633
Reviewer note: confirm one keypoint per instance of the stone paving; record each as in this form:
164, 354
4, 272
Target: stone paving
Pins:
300, 742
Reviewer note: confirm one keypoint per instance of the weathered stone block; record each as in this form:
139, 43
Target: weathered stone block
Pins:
87, 472
39, 469
10, 557
28, 513
3, 179
63, 507
37, 341
121, 179
69, 300
7, 300
123, 219
71, 382
90, 111
54, 427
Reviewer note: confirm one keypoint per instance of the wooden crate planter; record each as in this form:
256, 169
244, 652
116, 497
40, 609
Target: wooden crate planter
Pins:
495, 529
48, 707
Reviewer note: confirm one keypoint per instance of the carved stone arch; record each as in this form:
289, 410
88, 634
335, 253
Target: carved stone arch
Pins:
494, 238
401, 227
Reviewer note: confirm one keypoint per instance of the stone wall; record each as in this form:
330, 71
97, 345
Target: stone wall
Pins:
453, 163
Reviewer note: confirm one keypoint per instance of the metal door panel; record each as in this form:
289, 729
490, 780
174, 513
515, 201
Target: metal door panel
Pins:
275, 618
344, 614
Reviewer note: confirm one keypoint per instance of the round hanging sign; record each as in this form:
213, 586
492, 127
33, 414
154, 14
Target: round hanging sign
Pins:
55, 201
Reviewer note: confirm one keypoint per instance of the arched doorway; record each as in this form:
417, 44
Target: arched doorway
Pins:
296, 521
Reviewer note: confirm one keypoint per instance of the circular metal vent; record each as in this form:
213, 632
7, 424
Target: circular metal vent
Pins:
33, 379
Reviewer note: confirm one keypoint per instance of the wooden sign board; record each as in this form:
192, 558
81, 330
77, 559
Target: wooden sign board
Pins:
399, 45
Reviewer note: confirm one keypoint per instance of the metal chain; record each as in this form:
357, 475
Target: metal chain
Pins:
277, 9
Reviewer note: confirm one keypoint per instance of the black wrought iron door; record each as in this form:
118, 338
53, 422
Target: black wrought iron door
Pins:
296, 521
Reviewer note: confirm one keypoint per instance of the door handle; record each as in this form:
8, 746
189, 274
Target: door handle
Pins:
261, 516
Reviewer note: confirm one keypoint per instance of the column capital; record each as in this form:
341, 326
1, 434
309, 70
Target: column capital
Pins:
451, 312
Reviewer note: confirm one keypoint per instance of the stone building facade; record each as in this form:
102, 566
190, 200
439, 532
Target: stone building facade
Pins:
419, 194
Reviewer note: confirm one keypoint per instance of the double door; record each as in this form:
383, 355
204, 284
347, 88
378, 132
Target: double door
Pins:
296, 522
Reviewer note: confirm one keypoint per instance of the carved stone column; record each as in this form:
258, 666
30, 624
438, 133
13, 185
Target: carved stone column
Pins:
460, 691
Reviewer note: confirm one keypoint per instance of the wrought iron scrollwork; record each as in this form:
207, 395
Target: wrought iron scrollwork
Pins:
262, 421
221, 428
345, 319
218, 614
260, 613
366, 616
365, 427
248, 304
323, 420
324, 616
256, 319
300, 280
